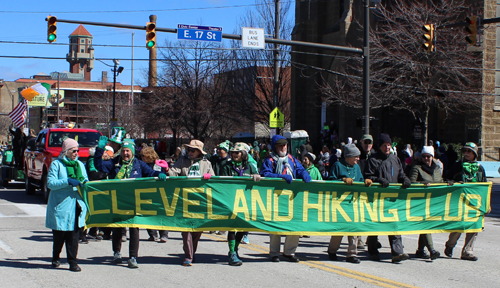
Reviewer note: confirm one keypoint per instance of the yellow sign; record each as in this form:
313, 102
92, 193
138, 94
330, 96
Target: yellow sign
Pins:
276, 119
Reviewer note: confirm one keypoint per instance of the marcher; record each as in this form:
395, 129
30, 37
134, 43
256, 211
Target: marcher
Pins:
66, 209
124, 167
192, 165
384, 168
280, 164
238, 166
218, 161
467, 170
308, 163
347, 170
426, 171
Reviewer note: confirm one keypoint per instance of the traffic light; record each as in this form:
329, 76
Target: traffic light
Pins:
51, 28
150, 35
428, 37
471, 28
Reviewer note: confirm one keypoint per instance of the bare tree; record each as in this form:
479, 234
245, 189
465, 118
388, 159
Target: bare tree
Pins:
403, 75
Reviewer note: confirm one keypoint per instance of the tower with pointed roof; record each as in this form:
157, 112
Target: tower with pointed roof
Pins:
81, 52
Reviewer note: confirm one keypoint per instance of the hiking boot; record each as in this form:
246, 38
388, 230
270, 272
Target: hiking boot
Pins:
448, 251
435, 254
422, 254
132, 263
353, 259
234, 260
291, 258
117, 257
469, 257
56, 263
400, 257
74, 268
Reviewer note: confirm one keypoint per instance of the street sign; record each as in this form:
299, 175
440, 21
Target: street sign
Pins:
200, 33
276, 119
252, 38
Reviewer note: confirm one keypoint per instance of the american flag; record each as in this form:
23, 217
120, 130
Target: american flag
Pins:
18, 115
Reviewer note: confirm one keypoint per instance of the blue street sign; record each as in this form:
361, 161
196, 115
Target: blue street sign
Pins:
200, 33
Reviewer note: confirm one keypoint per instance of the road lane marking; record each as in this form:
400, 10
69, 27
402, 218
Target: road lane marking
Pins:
6, 247
372, 279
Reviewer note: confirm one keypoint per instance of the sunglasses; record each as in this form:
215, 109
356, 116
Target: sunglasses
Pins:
426, 156
368, 142
191, 150
75, 151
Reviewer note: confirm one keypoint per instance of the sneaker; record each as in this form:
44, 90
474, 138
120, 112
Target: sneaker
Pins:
291, 258
234, 260
422, 254
275, 259
132, 263
163, 240
360, 245
435, 254
448, 251
400, 257
124, 238
74, 268
56, 263
245, 240
152, 238
353, 259
117, 257
187, 263
469, 257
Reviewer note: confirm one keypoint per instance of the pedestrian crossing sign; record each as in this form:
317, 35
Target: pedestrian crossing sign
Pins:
276, 119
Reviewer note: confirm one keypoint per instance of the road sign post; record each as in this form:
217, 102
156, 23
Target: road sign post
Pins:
199, 33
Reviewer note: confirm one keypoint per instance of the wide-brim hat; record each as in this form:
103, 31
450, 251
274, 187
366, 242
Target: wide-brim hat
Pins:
472, 146
238, 147
196, 144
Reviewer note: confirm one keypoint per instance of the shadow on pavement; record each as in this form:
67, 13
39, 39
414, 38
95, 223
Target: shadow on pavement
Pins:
44, 236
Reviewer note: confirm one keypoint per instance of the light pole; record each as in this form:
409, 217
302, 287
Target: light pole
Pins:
116, 70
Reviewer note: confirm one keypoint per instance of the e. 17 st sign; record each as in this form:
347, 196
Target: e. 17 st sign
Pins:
200, 33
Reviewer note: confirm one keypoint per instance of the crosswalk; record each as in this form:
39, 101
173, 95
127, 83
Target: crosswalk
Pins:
22, 210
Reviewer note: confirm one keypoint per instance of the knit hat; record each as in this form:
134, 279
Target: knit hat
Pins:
238, 147
130, 144
68, 144
350, 150
110, 151
117, 135
472, 146
224, 146
428, 150
384, 138
196, 144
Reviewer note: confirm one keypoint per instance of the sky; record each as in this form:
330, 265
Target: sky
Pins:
26, 23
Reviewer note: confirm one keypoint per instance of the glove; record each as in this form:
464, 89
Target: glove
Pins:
207, 176
74, 182
383, 182
103, 141
306, 177
162, 177
287, 178
347, 180
368, 182
256, 177
450, 183
406, 183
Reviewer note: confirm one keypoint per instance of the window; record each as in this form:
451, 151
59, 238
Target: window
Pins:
82, 50
84, 139
82, 41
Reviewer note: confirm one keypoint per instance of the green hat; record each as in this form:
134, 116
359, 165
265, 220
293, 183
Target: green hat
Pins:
130, 144
117, 135
238, 147
224, 146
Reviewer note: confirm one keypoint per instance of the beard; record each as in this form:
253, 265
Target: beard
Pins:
281, 154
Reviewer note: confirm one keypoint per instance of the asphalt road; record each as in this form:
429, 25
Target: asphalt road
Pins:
26, 248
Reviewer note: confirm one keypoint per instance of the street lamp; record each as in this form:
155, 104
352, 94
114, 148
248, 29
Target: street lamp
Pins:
116, 70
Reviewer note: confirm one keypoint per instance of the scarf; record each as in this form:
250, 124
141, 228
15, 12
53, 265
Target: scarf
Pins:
125, 170
74, 169
238, 167
470, 170
282, 165
428, 169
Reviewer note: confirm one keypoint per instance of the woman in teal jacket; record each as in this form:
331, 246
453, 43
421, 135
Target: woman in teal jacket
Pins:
66, 210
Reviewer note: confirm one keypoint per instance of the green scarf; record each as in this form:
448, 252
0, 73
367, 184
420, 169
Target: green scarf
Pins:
470, 171
125, 170
74, 169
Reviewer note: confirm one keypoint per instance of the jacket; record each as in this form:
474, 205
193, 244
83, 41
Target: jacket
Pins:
61, 207
268, 165
456, 173
314, 173
181, 167
418, 175
228, 170
341, 169
384, 166
112, 166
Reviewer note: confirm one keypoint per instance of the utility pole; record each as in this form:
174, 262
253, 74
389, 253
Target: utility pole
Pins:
57, 97
366, 70
276, 82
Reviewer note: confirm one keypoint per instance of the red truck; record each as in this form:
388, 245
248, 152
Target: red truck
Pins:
42, 150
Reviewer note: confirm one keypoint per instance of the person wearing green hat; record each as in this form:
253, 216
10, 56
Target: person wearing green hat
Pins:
117, 136
125, 166
218, 161
466, 170
238, 166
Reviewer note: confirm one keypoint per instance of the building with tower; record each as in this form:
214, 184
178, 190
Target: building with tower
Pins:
81, 52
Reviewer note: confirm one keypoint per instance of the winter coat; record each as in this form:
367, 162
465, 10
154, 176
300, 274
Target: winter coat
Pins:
218, 162
419, 175
63, 198
112, 166
341, 169
228, 170
384, 166
314, 173
456, 173
181, 167
269, 165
